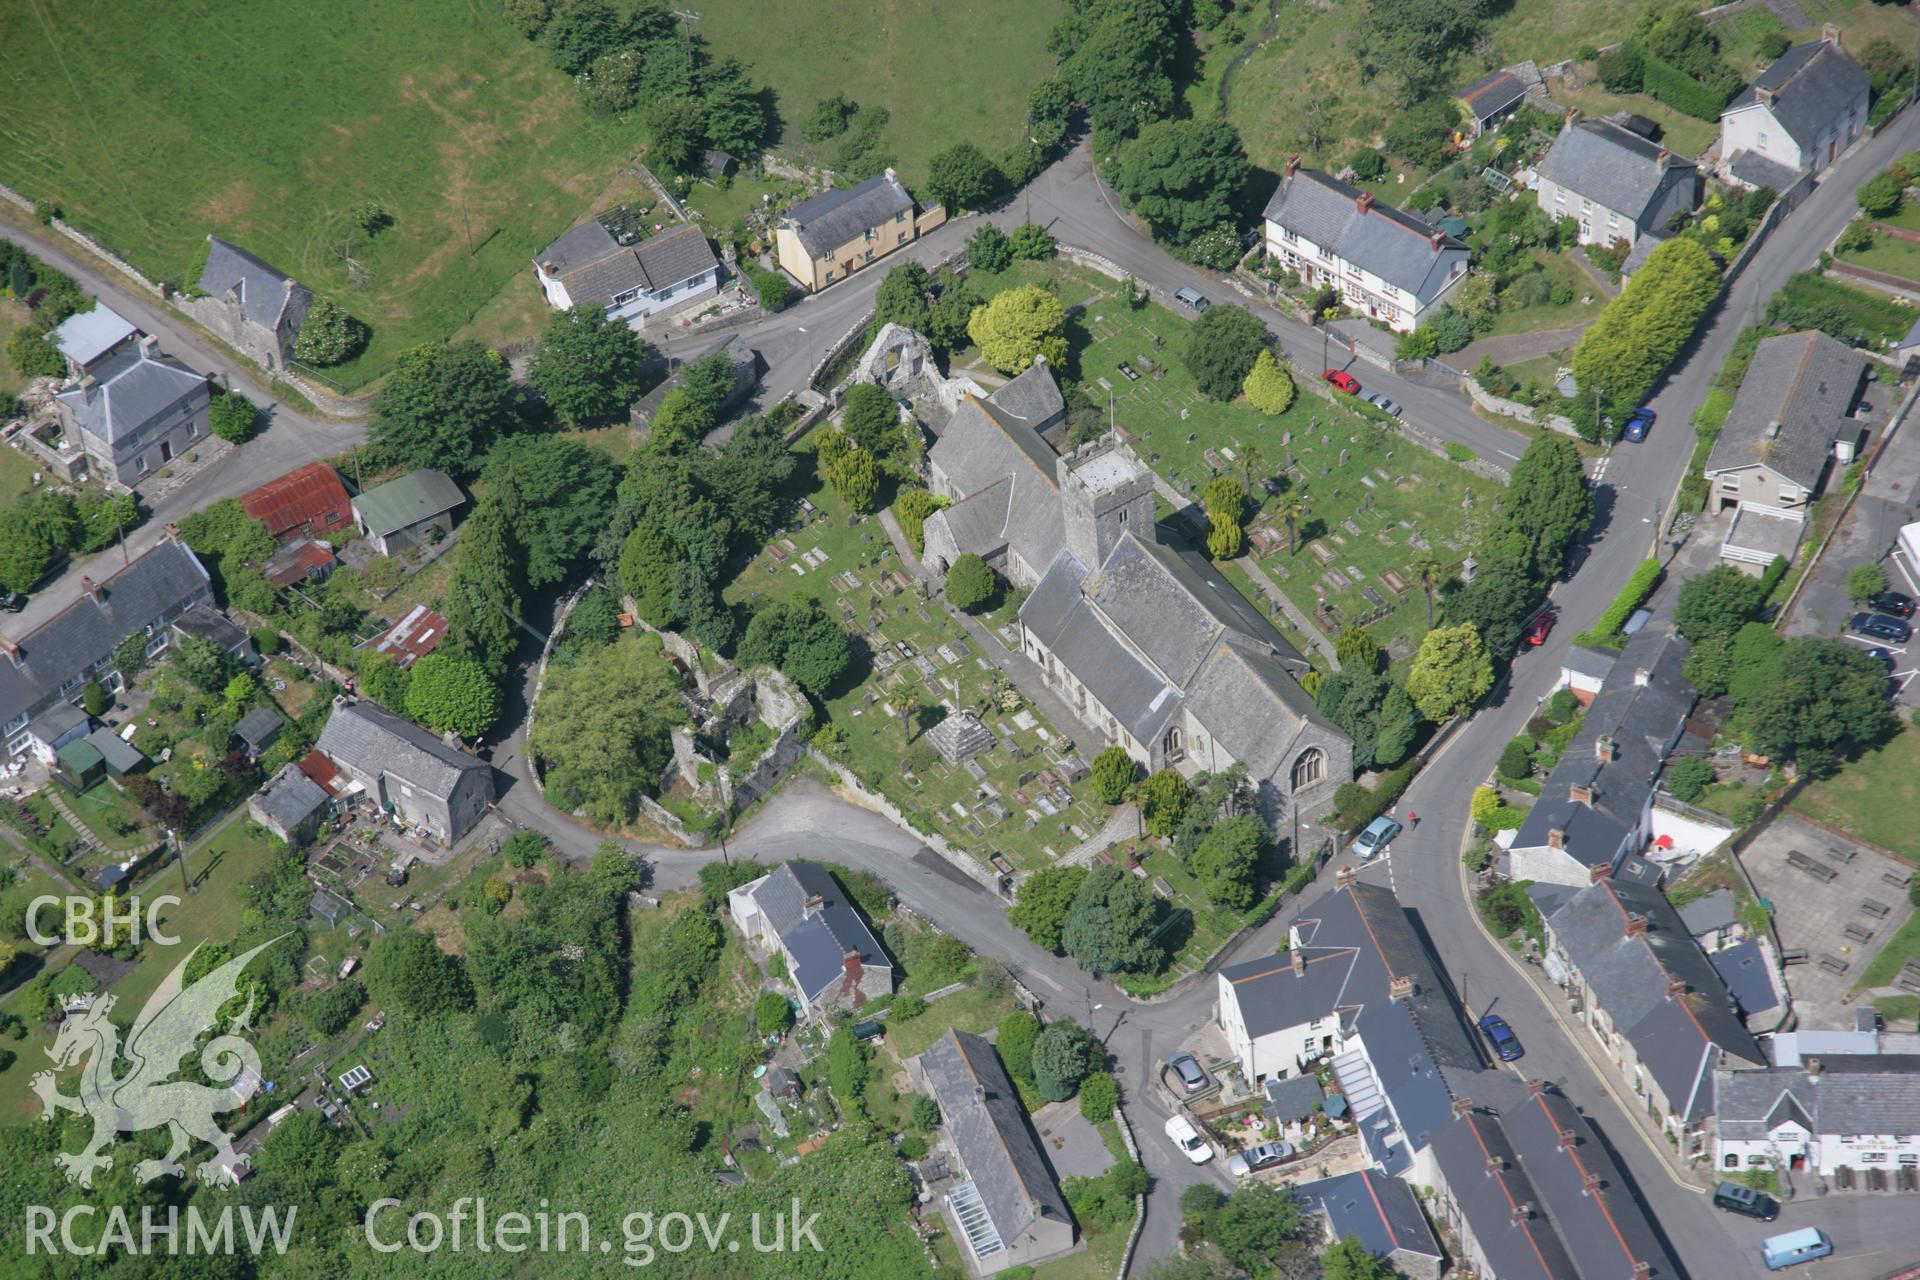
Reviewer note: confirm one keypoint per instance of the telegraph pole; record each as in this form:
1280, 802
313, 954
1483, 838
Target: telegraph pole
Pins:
687, 16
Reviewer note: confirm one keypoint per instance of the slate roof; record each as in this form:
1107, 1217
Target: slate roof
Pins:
1132, 691
264, 291
1757, 170
1383, 1212
129, 390
1639, 719
303, 495
85, 337
1812, 85
1608, 164
1805, 382
1031, 399
1493, 93
976, 448
1355, 939
596, 268
204, 622
1404, 1067
1527, 1199
1678, 1036
290, 797
1393, 245
57, 721
415, 496
841, 214
1877, 1093
819, 937
1709, 914
981, 1112
121, 756
1590, 662
367, 738
993, 455
258, 726
675, 255
153, 588
1292, 1097
1743, 967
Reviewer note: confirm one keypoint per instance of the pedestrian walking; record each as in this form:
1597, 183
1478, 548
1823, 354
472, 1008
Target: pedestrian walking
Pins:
1413, 820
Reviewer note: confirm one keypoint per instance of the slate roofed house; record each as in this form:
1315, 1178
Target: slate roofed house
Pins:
1382, 1212
1650, 995
252, 306
1797, 116
589, 266
1388, 264
1596, 806
308, 500
832, 957
90, 337
1615, 183
1491, 99
1006, 1206
405, 512
1857, 1112
406, 770
1791, 419
135, 411
50, 665
1530, 1192
291, 805
834, 234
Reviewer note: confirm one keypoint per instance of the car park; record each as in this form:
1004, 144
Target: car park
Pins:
1541, 626
1342, 381
1188, 1139
1897, 604
1382, 403
1192, 298
1186, 1068
1505, 1044
1638, 425
1263, 1155
1734, 1198
1880, 627
1373, 841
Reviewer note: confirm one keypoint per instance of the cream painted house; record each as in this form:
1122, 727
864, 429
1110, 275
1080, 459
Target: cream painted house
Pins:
826, 239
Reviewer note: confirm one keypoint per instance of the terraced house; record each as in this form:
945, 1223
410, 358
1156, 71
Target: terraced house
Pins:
1387, 263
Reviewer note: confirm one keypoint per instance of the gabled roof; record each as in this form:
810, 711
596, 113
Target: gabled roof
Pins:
302, 495
1807, 89
839, 215
1877, 1093
1057, 615
1396, 246
415, 496
981, 1112
817, 924
596, 268
1383, 1212
85, 337
298, 561
675, 255
120, 755
1493, 93
157, 586
263, 290
291, 797
132, 388
1708, 914
1744, 968
1030, 399
1792, 405
1609, 164
258, 726
367, 738
977, 448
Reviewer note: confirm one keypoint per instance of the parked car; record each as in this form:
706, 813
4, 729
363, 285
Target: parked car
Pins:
1342, 381
1896, 603
1375, 838
1541, 627
1185, 1066
1883, 653
1381, 403
12, 601
1262, 1155
1735, 1198
1575, 557
1505, 1044
1198, 301
1880, 627
1188, 1139
1638, 425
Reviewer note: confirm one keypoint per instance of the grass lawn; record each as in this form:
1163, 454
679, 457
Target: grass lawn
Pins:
104, 809
1874, 313
1198, 928
975, 1009
1586, 304
1906, 217
1898, 1008
438, 109
1540, 369
1011, 808
1889, 254
1681, 134
1903, 945
1873, 797
959, 75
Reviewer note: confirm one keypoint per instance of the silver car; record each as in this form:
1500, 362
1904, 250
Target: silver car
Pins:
1188, 1069
1381, 403
1263, 1155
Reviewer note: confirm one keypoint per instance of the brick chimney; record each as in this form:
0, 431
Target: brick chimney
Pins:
1676, 986
1556, 838
1661, 159
92, 591
1603, 748
149, 345
1580, 793
1299, 958
1293, 165
1565, 1138
1641, 1270
1522, 1211
1437, 238
11, 649
1536, 1088
1462, 1105
1636, 924
1344, 876
814, 902
1400, 988
1830, 34
1599, 872
1590, 1184
1363, 201
1494, 1164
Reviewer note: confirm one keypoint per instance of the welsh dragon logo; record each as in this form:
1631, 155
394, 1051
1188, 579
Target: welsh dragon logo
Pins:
147, 1096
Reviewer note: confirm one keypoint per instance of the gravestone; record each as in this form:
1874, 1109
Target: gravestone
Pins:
1343, 457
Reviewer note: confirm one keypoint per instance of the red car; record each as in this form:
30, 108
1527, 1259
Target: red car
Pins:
1540, 627
1342, 380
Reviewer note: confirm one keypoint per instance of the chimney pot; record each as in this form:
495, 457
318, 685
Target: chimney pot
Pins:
1522, 1211
1344, 876
1293, 165
814, 901
1437, 237
10, 649
1364, 201
1565, 1138
1536, 1088
1556, 838
1590, 1183
1661, 159
1641, 1270
1400, 988
1636, 924
1299, 958
1830, 34
1603, 748
1580, 793
1599, 873
1462, 1105
1676, 986
1642, 677
1495, 1164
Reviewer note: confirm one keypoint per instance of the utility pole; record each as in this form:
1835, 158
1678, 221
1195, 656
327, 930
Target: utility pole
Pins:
686, 34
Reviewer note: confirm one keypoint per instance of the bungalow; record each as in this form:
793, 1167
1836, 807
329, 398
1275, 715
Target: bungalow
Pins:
836, 233
1615, 183
1797, 116
135, 411
1389, 264
832, 957
308, 501
588, 266
407, 771
1490, 99
415, 509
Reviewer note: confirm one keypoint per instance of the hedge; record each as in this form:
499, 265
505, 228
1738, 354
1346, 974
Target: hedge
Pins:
1770, 578
1607, 630
1359, 805
1636, 335
1681, 91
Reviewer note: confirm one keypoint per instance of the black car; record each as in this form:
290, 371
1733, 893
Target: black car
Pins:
1575, 557
1735, 1198
1880, 627
12, 601
1896, 603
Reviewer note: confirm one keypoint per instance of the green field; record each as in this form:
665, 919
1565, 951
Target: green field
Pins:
1873, 797
959, 73
1888, 254
265, 124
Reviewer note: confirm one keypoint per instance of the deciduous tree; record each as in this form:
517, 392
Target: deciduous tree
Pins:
231, 417
1040, 910
1184, 177
328, 335
1114, 923
1716, 603
1222, 350
588, 366
1017, 325
1450, 673
962, 178
902, 297
801, 641
450, 694
443, 406
1060, 1060
970, 582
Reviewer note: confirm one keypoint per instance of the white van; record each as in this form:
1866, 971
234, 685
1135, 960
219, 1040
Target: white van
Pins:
1794, 1248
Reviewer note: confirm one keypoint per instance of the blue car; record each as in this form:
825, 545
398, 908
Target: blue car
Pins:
1638, 425
1505, 1043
